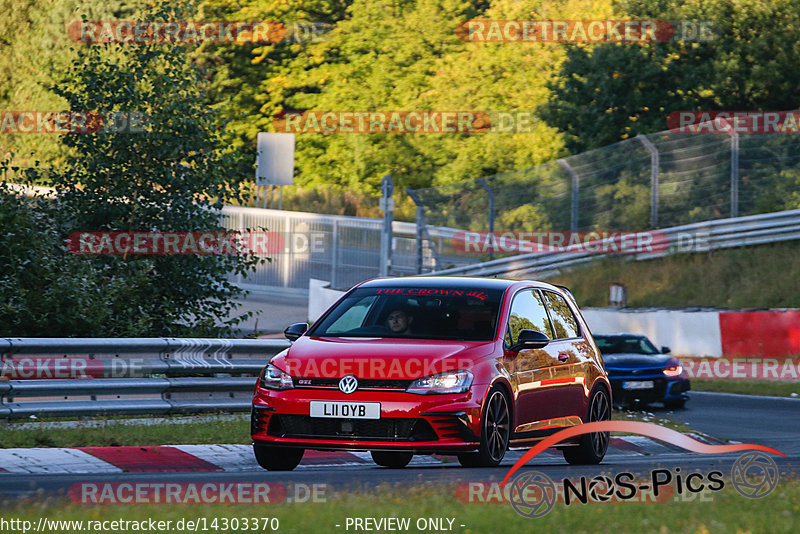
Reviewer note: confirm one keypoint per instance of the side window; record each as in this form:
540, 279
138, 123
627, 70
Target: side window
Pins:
527, 313
564, 321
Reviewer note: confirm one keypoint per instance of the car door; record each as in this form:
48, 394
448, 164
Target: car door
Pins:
571, 351
529, 367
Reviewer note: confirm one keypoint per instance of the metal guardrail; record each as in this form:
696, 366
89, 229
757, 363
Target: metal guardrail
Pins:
154, 376
695, 237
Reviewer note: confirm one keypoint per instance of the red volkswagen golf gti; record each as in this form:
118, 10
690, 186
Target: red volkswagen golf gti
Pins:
421, 365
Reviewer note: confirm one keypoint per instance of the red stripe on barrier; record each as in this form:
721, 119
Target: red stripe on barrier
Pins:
150, 459
760, 333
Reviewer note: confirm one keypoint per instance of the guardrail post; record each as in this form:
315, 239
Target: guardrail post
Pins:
734, 166
573, 211
387, 205
490, 215
734, 174
654, 167
420, 225
334, 252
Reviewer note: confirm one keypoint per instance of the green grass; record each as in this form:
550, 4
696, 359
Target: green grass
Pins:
645, 417
115, 434
727, 512
230, 432
770, 388
754, 277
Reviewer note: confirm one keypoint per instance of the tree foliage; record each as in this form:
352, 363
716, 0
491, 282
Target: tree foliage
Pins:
170, 175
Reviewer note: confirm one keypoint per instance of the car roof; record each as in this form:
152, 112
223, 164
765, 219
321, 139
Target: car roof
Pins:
449, 281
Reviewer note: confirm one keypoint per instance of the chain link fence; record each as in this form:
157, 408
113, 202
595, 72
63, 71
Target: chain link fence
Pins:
651, 181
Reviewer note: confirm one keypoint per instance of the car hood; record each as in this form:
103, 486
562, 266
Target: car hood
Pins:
636, 361
331, 357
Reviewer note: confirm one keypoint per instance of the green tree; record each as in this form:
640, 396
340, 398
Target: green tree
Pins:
171, 176
615, 91
42, 284
35, 51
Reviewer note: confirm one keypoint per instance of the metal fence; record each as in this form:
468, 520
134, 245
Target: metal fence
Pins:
658, 180
651, 181
696, 237
52, 377
339, 249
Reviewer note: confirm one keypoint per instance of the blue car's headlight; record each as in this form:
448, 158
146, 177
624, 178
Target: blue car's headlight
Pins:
673, 368
442, 383
274, 378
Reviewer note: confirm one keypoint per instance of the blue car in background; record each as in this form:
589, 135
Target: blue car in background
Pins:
640, 373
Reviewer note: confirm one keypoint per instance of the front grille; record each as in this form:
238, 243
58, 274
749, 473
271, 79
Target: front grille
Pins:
305, 382
259, 419
615, 373
385, 429
654, 394
453, 425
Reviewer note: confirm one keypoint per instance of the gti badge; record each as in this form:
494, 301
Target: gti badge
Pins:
348, 384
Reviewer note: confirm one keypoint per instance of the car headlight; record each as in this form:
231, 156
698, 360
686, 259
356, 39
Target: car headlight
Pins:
673, 371
274, 378
441, 383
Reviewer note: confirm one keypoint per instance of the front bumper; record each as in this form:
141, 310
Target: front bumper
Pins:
408, 422
664, 389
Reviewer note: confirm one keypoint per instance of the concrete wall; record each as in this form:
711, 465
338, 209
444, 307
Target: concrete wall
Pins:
687, 333
320, 298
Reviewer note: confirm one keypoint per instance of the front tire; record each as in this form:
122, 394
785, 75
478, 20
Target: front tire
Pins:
277, 458
392, 460
592, 447
495, 433
674, 404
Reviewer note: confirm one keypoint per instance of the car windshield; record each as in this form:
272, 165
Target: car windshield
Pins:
624, 344
468, 314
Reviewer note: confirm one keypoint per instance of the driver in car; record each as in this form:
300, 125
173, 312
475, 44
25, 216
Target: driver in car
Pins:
399, 322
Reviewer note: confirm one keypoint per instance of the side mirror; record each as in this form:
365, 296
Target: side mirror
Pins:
665, 350
530, 339
294, 331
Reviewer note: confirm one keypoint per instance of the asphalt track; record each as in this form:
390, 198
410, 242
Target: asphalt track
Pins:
761, 420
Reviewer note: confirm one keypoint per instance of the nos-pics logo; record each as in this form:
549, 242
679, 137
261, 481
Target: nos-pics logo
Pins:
533, 494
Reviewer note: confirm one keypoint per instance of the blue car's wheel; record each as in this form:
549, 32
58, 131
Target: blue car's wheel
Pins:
674, 404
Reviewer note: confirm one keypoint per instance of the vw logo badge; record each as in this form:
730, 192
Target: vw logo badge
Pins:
348, 384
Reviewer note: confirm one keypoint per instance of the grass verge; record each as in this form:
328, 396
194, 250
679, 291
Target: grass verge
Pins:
115, 434
725, 511
229, 432
649, 417
769, 388
752, 277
